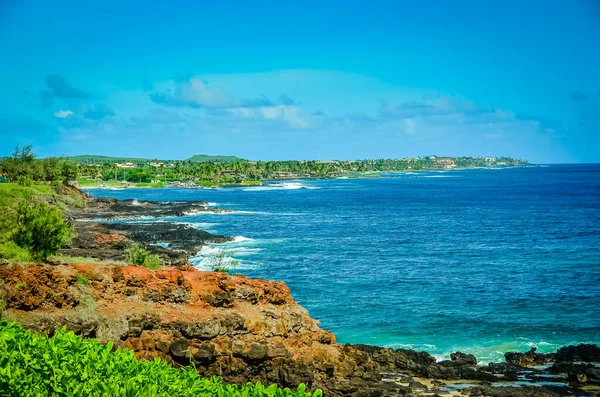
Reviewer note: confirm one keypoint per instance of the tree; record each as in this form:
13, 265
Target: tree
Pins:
36, 227
69, 171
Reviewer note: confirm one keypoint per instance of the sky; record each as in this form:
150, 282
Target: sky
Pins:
268, 80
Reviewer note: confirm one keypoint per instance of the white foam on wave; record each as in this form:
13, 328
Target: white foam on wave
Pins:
197, 225
204, 259
135, 202
439, 176
196, 213
280, 186
238, 239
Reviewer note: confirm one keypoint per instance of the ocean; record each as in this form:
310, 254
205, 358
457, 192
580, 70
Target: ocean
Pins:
483, 261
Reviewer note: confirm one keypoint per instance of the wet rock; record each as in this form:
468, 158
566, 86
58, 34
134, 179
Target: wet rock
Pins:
463, 359
582, 352
417, 385
529, 358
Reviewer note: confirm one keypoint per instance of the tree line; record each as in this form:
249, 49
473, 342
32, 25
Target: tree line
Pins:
23, 164
231, 172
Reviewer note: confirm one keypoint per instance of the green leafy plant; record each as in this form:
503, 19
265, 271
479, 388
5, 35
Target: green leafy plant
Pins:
68, 365
137, 255
223, 262
24, 180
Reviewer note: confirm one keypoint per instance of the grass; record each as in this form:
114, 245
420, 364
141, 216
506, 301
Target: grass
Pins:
83, 260
64, 197
155, 184
96, 182
11, 192
82, 280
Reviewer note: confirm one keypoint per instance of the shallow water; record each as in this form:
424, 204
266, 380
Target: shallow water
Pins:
482, 261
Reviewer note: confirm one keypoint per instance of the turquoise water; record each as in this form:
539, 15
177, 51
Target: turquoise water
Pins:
482, 261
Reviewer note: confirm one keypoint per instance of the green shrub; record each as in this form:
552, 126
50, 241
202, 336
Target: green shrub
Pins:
11, 251
68, 365
36, 227
139, 256
24, 180
223, 262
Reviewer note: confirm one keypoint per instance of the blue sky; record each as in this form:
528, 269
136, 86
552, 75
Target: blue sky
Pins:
302, 80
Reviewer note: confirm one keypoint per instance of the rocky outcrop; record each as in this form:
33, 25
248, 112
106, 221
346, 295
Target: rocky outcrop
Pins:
112, 209
527, 359
239, 328
245, 330
97, 238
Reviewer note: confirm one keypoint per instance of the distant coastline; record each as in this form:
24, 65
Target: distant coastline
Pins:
212, 173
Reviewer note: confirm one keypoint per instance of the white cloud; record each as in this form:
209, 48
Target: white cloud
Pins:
63, 114
193, 93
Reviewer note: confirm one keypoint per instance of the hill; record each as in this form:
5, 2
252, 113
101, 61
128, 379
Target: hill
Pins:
197, 158
201, 158
93, 158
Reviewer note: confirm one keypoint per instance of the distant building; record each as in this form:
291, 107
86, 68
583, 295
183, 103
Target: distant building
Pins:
125, 165
490, 159
446, 163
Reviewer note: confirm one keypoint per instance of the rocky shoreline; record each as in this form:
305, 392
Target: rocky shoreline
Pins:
240, 328
99, 236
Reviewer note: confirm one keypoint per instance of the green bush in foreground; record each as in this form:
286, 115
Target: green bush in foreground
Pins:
36, 227
68, 365
139, 256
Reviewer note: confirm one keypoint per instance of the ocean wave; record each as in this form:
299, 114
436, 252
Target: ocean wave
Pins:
204, 259
238, 239
280, 186
201, 212
162, 245
197, 225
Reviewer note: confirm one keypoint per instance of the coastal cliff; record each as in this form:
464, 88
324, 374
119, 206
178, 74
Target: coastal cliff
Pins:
252, 330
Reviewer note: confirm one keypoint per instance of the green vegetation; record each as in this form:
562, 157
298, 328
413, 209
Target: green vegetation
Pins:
139, 256
23, 167
241, 172
223, 262
34, 227
82, 280
210, 171
68, 365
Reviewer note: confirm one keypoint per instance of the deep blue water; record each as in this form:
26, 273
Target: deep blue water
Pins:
483, 261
